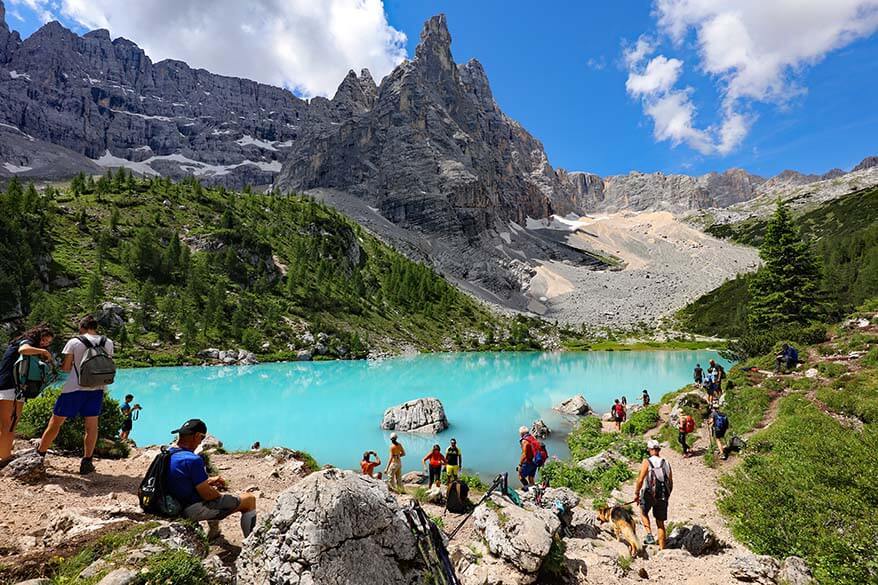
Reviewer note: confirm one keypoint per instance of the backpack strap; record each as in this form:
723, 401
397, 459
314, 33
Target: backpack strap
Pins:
102, 341
85, 341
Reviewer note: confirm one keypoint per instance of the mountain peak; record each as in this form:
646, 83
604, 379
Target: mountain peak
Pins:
867, 163
435, 42
101, 34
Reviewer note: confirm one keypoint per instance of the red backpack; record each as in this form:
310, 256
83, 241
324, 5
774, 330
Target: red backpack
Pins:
541, 454
687, 424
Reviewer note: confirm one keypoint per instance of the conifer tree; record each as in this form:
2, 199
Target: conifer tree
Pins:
95, 290
785, 290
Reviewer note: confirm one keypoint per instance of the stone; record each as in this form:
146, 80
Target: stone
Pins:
68, 523
521, 537
209, 444
53, 488
110, 316
540, 430
414, 477
795, 571
811, 373
575, 405
603, 460
688, 400
475, 565
38, 581
27, 466
761, 569
334, 527
119, 577
178, 535
303, 355
435, 495
607, 417
210, 353
94, 569
218, 572
424, 415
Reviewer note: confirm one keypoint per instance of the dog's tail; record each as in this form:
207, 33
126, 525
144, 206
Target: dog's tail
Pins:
629, 535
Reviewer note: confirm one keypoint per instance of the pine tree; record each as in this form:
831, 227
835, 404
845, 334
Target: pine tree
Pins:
95, 290
786, 289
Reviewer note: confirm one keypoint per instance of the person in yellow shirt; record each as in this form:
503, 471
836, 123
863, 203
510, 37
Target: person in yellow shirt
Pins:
453, 462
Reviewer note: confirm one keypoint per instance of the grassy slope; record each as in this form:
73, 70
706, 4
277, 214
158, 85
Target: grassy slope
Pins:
830, 226
387, 300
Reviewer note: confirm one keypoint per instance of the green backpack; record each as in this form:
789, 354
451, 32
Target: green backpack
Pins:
31, 376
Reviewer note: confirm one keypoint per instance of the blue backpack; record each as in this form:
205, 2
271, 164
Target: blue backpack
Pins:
31, 376
720, 422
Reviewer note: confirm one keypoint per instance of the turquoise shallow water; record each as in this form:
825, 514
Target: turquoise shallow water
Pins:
333, 409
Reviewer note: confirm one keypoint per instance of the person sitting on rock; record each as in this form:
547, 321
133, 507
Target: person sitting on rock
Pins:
786, 359
394, 464
655, 482
527, 467
453, 461
367, 466
198, 493
433, 463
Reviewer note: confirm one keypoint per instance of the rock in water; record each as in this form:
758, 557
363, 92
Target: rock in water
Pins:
333, 528
424, 415
518, 536
540, 430
575, 405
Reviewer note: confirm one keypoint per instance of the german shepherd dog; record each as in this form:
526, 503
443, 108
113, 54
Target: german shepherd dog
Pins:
623, 527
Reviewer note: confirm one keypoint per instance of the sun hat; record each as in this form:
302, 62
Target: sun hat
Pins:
393, 436
522, 430
653, 444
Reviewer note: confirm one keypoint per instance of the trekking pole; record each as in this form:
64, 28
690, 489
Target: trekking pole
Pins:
488, 493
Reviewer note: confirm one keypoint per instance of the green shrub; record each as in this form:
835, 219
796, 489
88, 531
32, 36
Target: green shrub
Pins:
251, 339
642, 421
473, 481
871, 358
856, 396
37, 412
831, 370
598, 483
759, 343
311, 464
553, 568
173, 566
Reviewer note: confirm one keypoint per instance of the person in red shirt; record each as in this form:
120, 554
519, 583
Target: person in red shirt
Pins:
527, 469
436, 460
367, 466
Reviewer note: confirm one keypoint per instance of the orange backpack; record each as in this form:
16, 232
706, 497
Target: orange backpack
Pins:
687, 424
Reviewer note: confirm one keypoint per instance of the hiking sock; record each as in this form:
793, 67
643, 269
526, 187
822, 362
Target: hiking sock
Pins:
248, 522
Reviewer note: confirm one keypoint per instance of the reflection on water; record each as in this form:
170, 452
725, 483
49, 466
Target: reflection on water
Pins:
332, 409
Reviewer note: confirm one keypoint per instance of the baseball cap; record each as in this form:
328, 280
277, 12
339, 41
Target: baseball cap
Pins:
653, 444
191, 426
393, 435
522, 430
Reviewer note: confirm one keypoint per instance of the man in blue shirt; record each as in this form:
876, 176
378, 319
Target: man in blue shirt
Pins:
197, 492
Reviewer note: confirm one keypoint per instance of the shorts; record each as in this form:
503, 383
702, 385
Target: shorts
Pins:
719, 434
79, 403
126, 425
216, 509
9, 395
435, 474
527, 469
659, 509
453, 471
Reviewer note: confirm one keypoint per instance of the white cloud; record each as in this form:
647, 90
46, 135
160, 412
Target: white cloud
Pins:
753, 50
42, 8
660, 75
305, 45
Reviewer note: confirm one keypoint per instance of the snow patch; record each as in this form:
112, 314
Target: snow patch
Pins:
194, 167
248, 140
220, 132
16, 75
144, 116
25, 134
15, 168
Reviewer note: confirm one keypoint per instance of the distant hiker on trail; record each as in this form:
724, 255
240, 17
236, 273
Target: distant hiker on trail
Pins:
255, 446
653, 490
719, 424
719, 374
527, 467
88, 360
128, 411
687, 425
453, 461
367, 466
786, 359
433, 463
394, 464
625, 403
199, 494
618, 414
698, 374
645, 398
710, 385
31, 345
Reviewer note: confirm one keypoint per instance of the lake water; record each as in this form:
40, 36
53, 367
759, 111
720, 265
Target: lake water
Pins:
333, 409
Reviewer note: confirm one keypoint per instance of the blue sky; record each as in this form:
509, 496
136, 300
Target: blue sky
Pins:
562, 71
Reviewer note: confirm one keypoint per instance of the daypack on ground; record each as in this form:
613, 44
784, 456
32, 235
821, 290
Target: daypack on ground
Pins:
658, 487
456, 498
720, 422
541, 454
736, 444
96, 368
31, 376
153, 495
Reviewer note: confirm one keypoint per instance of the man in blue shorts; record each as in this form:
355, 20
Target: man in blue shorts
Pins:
75, 400
198, 493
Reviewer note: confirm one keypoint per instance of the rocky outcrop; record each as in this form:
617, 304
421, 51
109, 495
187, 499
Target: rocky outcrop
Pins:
335, 528
110, 316
600, 461
687, 401
228, 357
424, 415
795, 571
575, 405
540, 429
760, 569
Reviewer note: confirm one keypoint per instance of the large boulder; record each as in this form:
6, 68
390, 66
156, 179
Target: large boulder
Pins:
601, 461
516, 535
575, 405
110, 316
750, 568
794, 571
540, 429
687, 401
209, 444
332, 528
424, 415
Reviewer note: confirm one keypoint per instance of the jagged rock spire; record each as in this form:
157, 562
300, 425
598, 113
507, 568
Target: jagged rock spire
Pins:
433, 54
9, 40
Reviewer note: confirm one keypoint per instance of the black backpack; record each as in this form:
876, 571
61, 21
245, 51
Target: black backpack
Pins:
96, 368
153, 494
456, 498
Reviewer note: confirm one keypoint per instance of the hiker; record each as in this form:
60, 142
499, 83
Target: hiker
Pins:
618, 413
453, 461
76, 399
786, 359
654, 486
128, 411
719, 424
710, 385
367, 466
435, 460
33, 342
527, 467
255, 446
645, 398
394, 464
687, 425
719, 373
198, 493
698, 374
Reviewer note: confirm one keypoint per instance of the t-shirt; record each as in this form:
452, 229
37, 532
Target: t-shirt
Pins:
77, 349
527, 451
185, 471
698, 374
436, 459
660, 469
367, 467
7, 365
126, 409
452, 456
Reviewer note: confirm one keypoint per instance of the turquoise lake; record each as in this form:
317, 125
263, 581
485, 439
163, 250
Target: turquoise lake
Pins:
333, 409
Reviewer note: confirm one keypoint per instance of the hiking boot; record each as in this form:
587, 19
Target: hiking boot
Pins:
213, 530
86, 467
650, 539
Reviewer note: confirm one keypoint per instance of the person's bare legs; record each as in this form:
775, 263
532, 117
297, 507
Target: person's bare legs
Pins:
660, 524
51, 432
645, 520
7, 430
91, 436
